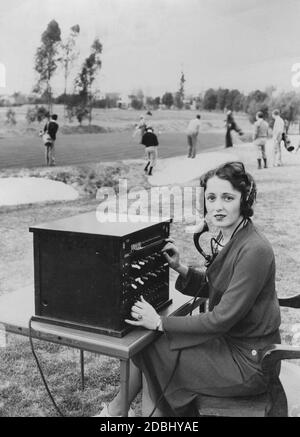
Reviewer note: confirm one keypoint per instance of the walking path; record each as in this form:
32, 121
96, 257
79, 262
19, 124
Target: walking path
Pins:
181, 170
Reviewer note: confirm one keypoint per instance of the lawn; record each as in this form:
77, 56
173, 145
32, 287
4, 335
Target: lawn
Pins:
21, 390
108, 139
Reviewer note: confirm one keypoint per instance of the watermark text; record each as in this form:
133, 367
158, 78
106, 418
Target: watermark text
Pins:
2, 76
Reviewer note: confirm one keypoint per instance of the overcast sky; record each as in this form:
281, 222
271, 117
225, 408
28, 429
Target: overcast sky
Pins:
244, 44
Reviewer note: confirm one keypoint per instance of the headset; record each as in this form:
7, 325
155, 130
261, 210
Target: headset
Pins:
246, 201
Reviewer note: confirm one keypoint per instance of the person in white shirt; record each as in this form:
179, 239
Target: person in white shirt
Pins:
260, 136
192, 135
140, 128
278, 130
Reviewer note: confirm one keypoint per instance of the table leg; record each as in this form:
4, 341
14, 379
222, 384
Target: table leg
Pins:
124, 386
82, 368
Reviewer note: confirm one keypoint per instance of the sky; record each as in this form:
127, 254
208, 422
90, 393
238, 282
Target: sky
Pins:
243, 44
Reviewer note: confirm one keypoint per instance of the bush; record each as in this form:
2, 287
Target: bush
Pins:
254, 107
81, 113
38, 113
41, 113
31, 115
11, 117
137, 104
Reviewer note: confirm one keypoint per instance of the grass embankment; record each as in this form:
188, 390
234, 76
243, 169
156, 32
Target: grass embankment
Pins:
21, 390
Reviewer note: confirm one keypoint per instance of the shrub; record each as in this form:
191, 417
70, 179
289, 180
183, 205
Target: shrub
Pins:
38, 113
10, 117
41, 113
81, 113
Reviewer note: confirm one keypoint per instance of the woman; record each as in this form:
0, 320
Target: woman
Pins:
217, 352
230, 125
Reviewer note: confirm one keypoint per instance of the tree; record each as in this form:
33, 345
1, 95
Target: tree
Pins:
46, 59
222, 100
149, 102
85, 79
136, 103
68, 57
257, 101
256, 96
210, 99
157, 101
137, 99
179, 96
254, 107
288, 104
178, 102
168, 100
234, 100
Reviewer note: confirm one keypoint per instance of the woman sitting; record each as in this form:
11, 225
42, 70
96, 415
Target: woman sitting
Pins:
214, 353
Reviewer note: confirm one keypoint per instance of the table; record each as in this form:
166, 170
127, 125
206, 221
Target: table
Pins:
16, 309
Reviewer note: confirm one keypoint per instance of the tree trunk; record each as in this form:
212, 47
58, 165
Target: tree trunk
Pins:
65, 94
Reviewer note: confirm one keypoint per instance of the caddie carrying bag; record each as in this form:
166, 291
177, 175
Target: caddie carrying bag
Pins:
47, 140
287, 142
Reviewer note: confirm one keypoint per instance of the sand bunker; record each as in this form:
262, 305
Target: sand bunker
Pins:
16, 191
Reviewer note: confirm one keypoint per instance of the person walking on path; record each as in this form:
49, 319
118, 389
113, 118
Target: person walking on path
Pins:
278, 130
150, 141
51, 129
260, 136
192, 135
230, 125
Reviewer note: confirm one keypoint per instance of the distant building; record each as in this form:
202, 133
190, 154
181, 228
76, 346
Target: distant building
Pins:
124, 101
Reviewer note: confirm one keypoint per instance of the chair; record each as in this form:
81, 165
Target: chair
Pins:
274, 402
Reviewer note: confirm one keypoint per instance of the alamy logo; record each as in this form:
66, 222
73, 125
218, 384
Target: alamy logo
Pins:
138, 205
295, 80
2, 76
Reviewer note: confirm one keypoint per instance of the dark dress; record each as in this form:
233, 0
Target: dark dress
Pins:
219, 349
231, 125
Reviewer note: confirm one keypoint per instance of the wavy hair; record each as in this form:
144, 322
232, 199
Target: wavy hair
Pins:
235, 173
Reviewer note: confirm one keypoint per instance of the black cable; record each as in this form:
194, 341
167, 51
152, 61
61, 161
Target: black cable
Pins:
167, 384
41, 372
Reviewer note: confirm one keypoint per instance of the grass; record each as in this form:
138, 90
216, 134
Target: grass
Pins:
109, 138
118, 120
21, 390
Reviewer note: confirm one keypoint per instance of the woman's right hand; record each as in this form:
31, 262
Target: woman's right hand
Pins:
171, 254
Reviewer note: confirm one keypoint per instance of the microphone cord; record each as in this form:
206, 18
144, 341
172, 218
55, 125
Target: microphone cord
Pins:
41, 371
178, 355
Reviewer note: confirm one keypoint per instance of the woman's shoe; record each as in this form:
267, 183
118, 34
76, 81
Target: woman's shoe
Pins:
105, 413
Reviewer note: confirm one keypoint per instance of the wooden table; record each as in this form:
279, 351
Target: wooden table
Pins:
16, 309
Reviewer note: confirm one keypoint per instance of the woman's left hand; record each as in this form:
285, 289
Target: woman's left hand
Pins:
144, 315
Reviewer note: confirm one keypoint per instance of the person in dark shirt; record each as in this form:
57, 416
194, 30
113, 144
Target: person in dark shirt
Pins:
218, 352
51, 128
150, 141
230, 126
